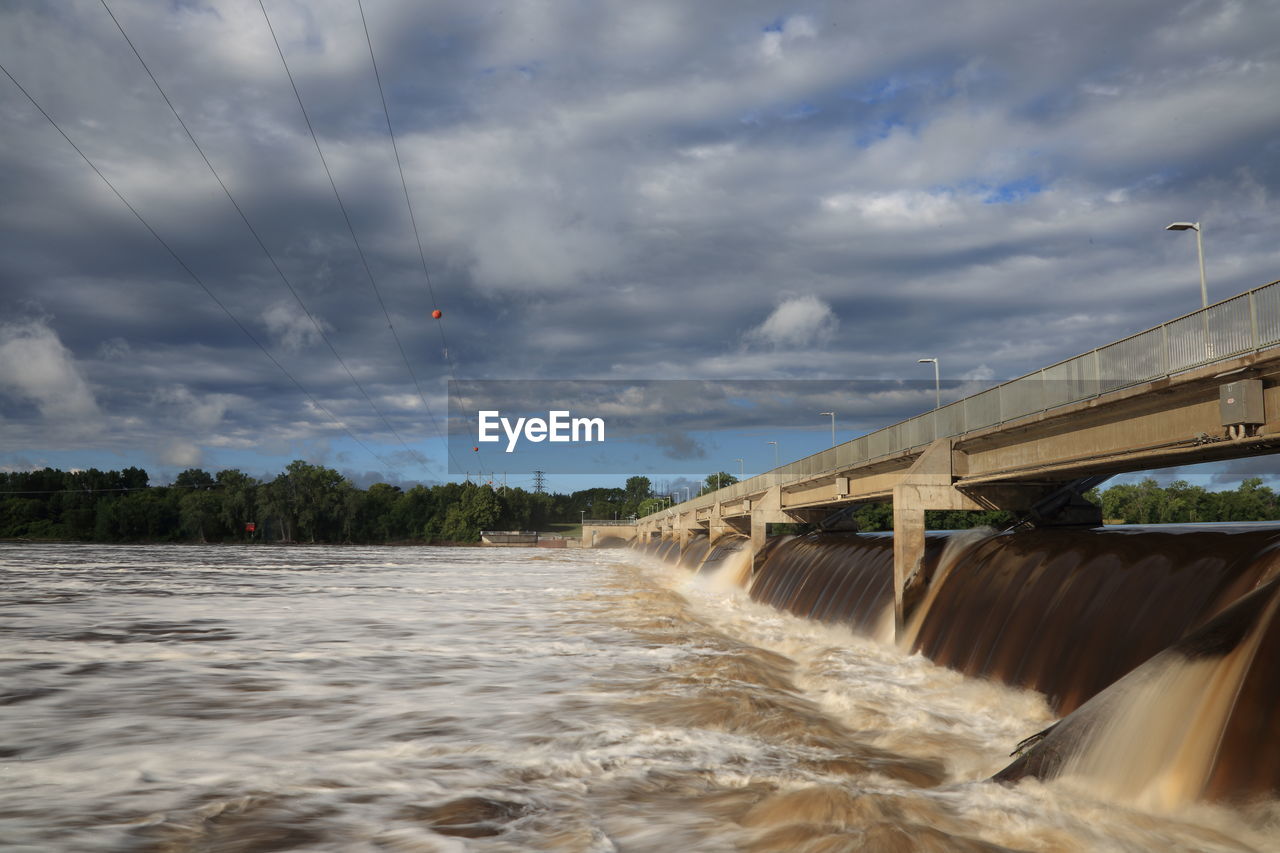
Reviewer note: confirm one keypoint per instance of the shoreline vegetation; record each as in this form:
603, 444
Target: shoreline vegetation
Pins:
311, 504
305, 504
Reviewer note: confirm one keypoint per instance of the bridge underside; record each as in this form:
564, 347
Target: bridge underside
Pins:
596, 534
1184, 419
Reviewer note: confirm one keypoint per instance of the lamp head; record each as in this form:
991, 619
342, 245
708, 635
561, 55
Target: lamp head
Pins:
1183, 226
926, 361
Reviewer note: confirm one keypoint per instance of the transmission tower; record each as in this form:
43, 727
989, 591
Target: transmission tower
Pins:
538, 485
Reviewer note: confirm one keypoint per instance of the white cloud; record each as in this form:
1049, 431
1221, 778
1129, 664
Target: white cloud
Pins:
614, 187
35, 365
181, 454
800, 321
202, 411
292, 329
774, 42
981, 373
903, 207
524, 250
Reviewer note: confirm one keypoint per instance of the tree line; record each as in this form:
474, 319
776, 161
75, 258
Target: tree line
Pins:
305, 503
311, 503
1145, 502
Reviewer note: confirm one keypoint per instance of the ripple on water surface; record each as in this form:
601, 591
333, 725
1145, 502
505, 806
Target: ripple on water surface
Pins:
349, 699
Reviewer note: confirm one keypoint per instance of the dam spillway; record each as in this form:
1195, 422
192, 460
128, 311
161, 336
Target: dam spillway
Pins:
1157, 644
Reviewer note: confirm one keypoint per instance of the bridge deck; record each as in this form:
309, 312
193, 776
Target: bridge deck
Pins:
1149, 400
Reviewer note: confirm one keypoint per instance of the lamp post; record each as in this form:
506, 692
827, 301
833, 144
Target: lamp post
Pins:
833, 426
1195, 226
937, 381
775, 452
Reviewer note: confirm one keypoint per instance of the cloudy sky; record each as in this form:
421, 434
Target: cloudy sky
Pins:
723, 189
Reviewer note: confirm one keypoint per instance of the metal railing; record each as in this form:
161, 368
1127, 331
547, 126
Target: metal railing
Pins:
1229, 328
608, 522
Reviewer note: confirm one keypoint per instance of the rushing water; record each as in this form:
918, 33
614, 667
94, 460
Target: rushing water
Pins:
429, 699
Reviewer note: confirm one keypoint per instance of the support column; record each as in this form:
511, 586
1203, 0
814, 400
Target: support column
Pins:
686, 526
716, 524
927, 484
759, 534
908, 550
764, 511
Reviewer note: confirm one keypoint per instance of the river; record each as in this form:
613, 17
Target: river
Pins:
252, 699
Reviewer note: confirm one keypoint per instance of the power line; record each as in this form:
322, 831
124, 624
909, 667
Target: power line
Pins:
191, 272
254, 231
422, 255
413, 220
347, 218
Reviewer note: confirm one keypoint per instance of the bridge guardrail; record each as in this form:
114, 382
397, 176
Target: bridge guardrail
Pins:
1240, 324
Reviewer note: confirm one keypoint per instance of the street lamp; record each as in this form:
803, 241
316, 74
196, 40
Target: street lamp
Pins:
937, 382
833, 426
1195, 226
775, 452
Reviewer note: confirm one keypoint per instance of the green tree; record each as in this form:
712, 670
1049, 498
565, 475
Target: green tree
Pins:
198, 513
1251, 501
307, 499
412, 513
147, 515
650, 506
637, 490
718, 480
374, 522
238, 501
477, 510
17, 514
874, 516
194, 478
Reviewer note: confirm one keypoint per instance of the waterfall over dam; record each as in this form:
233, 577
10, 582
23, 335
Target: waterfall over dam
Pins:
1158, 645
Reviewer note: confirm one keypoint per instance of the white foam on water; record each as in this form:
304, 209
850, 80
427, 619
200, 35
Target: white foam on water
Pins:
603, 702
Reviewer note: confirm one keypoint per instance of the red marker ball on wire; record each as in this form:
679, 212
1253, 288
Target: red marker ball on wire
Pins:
437, 314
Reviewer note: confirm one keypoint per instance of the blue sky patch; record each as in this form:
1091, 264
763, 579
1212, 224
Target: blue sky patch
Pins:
1014, 191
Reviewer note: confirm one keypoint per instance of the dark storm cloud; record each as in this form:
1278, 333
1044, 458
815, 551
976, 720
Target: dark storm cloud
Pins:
615, 190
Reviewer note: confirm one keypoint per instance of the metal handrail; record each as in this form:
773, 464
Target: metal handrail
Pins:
1239, 324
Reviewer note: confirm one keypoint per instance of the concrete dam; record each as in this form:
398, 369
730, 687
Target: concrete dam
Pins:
1158, 645
1204, 387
